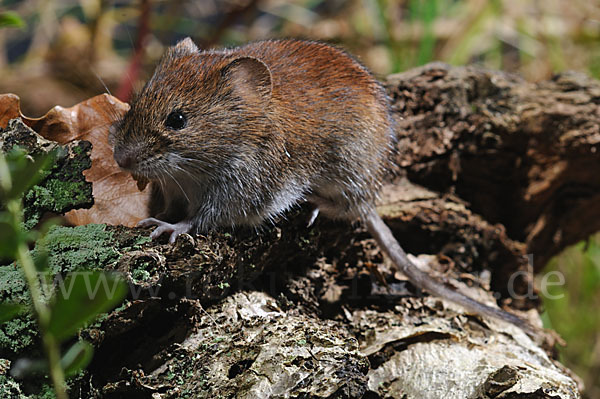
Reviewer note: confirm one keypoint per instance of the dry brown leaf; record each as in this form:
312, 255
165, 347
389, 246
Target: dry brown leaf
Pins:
117, 199
9, 109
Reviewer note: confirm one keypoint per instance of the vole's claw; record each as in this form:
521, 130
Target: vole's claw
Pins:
178, 229
313, 216
163, 227
148, 222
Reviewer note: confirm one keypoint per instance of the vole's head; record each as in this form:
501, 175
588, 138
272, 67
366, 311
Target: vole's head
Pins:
199, 114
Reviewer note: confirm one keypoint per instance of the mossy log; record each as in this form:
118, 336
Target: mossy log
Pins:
488, 169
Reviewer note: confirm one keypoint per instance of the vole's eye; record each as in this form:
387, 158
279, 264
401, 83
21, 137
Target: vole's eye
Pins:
176, 120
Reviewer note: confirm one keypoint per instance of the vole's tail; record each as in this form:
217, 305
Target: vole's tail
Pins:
384, 237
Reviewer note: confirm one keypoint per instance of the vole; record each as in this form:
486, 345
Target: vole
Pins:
238, 136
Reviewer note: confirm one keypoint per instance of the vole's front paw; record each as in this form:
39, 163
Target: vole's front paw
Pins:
164, 227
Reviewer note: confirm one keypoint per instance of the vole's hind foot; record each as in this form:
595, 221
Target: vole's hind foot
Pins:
163, 227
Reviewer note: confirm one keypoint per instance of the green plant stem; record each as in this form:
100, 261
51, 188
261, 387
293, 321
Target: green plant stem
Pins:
40, 308
56, 371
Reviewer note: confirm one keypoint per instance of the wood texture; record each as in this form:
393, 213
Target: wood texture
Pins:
524, 155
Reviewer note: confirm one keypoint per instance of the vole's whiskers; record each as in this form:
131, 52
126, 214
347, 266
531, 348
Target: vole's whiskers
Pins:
100, 79
162, 183
193, 177
177, 182
194, 164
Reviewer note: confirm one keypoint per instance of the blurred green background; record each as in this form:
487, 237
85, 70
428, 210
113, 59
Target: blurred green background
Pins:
61, 52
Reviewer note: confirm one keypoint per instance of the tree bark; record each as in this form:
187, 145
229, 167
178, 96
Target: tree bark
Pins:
487, 169
523, 155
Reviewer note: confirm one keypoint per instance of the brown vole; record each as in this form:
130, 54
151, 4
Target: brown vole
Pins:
234, 137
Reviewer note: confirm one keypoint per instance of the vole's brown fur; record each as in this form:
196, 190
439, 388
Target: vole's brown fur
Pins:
266, 126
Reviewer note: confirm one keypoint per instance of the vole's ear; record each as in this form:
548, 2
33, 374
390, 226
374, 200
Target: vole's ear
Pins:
250, 78
185, 46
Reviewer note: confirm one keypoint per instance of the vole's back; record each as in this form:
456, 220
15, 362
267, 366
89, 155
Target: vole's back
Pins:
334, 117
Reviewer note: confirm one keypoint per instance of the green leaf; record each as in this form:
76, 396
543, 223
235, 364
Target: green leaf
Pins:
18, 173
42, 230
9, 311
40, 260
29, 174
10, 237
11, 19
48, 224
80, 297
77, 358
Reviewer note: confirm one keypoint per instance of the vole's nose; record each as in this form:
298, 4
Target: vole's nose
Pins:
124, 158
